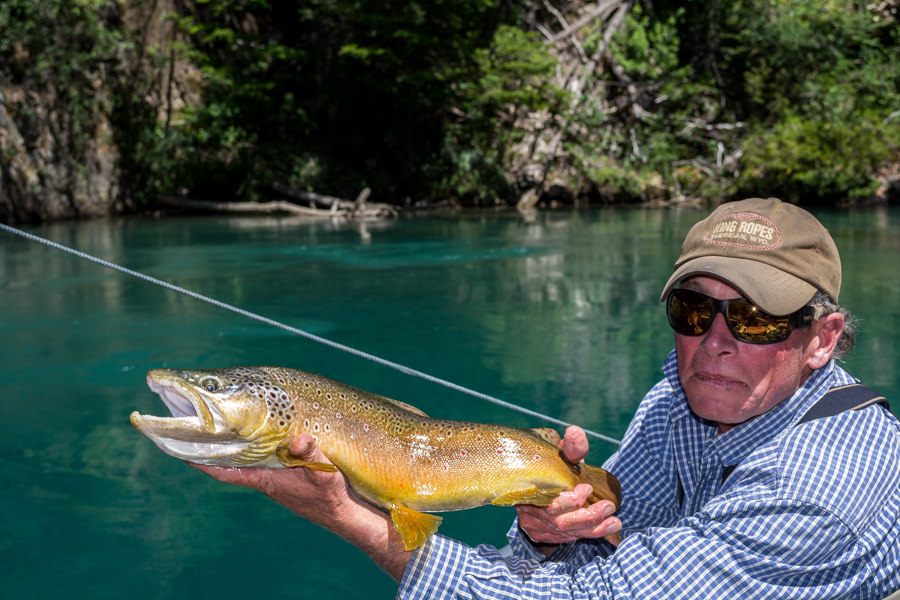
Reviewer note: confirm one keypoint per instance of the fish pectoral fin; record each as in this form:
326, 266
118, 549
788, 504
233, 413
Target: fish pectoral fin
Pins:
413, 526
533, 495
289, 460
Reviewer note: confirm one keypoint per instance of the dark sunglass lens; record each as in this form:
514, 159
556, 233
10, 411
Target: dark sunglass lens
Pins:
689, 313
749, 324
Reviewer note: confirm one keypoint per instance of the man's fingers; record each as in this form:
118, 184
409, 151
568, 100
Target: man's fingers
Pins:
557, 533
575, 444
570, 500
304, 447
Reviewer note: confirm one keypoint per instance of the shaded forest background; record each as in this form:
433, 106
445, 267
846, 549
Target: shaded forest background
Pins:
110, 106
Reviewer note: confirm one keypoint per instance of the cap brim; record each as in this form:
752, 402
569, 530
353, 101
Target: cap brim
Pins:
776, 292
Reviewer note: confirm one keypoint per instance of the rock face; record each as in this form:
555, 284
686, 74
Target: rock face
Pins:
41, 178
59, 124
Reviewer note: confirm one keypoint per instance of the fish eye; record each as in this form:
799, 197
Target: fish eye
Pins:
209, 385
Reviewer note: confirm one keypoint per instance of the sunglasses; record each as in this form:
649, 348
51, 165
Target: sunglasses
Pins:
691, 313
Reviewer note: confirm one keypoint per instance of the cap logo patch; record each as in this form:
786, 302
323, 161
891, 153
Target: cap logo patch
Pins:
744, 230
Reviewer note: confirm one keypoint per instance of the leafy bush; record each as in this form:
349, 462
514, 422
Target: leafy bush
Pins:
822, 80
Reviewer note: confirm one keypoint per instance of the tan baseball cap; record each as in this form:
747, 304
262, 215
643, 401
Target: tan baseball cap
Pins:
775, 253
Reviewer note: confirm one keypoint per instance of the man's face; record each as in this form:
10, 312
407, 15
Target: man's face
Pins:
728, 381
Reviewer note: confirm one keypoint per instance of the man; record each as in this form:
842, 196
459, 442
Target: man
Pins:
741, 478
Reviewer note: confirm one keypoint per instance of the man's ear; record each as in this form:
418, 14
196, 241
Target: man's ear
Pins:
825, 334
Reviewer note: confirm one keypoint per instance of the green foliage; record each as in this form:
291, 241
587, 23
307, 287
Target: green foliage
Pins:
823, 79
513, 76
801, 91
361, 86
65, 49
434, 99
645, 126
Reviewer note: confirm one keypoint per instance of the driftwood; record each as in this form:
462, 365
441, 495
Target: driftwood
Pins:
313, 198
337, 207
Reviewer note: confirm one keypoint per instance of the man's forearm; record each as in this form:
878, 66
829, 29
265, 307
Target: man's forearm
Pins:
360, 524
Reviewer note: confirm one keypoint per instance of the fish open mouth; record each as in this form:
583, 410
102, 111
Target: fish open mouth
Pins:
195, 431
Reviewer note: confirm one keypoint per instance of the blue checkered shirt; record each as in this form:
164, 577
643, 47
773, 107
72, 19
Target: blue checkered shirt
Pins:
810, 511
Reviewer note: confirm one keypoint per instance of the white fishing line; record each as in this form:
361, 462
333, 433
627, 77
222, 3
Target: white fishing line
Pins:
300, 332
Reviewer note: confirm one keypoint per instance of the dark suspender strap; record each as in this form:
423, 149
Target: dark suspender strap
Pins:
855, 396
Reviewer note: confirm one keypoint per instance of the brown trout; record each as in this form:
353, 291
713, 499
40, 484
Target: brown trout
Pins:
391, 453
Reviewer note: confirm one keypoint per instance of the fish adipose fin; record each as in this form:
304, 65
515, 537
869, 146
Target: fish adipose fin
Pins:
533, 495
413, 526
289, 460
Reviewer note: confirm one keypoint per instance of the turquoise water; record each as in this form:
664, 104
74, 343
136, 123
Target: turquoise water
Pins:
558, 314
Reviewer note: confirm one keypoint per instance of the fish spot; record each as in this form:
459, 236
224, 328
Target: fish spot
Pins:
327, 428
316, 427
463, 452
365, 426
339, 416
316, 405
445, 467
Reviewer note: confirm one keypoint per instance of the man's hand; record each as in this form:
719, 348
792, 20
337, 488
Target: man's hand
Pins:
567, 518
324, 498
304, 491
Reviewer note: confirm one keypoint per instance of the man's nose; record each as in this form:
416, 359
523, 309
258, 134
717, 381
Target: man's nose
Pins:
718, 338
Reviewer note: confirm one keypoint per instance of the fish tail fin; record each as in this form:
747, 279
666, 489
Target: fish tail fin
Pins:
606, 486
413, 526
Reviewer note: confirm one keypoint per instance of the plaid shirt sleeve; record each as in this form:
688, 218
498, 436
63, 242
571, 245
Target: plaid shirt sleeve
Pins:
811, 512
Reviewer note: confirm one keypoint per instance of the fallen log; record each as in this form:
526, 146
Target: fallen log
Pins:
352, 211
359, 208
311, 197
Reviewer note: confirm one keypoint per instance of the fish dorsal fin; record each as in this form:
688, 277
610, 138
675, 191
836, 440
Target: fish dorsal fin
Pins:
533, 495
413, 526
548, 435
406, 407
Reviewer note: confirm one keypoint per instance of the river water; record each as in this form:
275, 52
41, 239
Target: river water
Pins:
558, 313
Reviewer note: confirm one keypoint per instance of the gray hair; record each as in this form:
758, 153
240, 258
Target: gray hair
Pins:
848, 335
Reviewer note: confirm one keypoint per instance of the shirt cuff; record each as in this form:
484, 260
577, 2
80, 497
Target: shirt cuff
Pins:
433, 571
446, 568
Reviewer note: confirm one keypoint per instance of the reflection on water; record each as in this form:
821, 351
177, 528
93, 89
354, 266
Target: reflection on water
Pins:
558, 313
